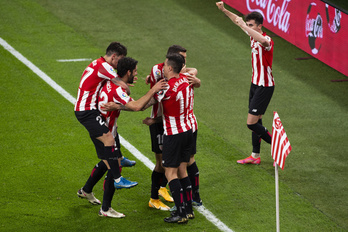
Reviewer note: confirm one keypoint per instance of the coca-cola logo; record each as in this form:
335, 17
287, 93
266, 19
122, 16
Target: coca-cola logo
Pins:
314, 28
333, 16
272, 11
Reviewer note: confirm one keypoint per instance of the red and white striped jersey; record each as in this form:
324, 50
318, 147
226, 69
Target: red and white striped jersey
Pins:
155, 76
261, 60
92, 80
177, 102
112, 93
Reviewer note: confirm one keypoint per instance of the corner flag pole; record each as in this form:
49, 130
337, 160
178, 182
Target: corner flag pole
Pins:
277, 196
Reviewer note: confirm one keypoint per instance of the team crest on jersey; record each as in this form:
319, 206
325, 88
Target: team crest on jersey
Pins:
254, 50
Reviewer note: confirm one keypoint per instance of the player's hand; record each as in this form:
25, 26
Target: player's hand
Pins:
160, 85
147, 80
220, 5
149, 121
194, 81
110, 106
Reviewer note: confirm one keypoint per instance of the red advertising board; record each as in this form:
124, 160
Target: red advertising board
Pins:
312, 25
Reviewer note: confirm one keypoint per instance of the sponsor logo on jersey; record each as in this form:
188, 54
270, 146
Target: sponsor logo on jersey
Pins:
124, 95
158, 73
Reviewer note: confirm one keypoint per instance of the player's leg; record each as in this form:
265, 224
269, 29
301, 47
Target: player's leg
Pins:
188, 142
171, 156
193, 173
157, 176
187, 190
156, 179
111, 158
96, 174
259, 98
109, 191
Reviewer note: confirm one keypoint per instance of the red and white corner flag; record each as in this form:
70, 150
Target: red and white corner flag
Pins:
280, 144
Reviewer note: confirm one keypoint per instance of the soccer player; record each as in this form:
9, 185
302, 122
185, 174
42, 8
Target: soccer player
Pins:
159, 182
110, 92
262, 82
177, 140
86, 112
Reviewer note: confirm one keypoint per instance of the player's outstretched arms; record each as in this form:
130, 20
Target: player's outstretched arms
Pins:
111, 106
141, 102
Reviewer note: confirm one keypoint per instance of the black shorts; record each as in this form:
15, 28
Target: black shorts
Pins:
93, 121
194, 144
177, 149
259, 98
156, 132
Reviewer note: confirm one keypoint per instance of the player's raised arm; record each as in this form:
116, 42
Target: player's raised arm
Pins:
228, 13
247, 27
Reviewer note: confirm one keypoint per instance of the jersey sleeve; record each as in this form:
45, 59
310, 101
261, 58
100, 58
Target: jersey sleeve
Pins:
270, 43
106, 71
161, 95
155, 75
120, 96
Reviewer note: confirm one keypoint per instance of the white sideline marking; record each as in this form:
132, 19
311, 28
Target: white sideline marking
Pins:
74, 60
209, 216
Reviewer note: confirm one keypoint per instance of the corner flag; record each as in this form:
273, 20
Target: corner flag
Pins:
280, 144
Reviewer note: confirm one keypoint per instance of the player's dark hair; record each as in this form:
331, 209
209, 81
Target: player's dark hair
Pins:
177, 61
175, 49
116, 47
125, 64
255, 16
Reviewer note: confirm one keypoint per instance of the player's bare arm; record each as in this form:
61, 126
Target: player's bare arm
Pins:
149, 121
150, 103
111, 106
228, 13
253, 30
141, 102
248, 28
194, 81
191, 71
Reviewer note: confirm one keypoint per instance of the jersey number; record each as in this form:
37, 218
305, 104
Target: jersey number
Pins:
89, 71
180, 97
103, 99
